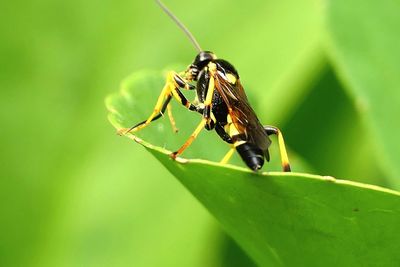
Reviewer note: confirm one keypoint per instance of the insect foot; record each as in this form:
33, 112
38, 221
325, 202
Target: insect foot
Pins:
173, 155
122, 131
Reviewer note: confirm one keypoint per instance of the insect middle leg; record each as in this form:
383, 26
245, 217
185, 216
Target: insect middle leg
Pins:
228, 155
282, 148
207, 120
171, 118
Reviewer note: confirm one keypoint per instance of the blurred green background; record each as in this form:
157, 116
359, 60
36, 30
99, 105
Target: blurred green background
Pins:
73, 193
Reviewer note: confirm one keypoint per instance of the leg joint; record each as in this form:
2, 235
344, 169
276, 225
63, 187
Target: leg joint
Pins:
269, 130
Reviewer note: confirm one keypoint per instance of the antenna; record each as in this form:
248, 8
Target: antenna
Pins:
180, 24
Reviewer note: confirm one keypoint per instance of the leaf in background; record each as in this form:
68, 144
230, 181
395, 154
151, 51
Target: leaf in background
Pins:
277, 51
316, 132
278, 219
363, 43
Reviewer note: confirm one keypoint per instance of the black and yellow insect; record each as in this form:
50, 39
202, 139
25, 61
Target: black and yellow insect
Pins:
223, 104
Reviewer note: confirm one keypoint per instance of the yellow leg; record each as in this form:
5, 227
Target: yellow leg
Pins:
170, 89
204, 121
165, 93
282, 148
190, 140
228, 156
171, 118
284, 156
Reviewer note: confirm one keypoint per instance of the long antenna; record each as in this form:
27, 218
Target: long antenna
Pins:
180, 24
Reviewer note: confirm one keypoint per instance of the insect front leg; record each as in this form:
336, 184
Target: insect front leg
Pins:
171, 89
282, 148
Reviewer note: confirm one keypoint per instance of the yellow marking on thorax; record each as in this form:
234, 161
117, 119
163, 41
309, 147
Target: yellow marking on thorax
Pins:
231, 78
212, 67
209, 96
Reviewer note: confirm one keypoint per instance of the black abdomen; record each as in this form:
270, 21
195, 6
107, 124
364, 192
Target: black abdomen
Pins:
251, 155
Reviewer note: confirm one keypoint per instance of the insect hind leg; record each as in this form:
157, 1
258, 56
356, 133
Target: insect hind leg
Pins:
282, 148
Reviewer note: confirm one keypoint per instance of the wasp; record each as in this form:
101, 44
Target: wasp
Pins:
223, 104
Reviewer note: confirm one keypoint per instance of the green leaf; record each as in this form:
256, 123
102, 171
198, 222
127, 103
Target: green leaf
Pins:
279, 219
363, 44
